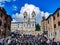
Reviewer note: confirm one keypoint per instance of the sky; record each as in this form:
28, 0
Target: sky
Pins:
16, 8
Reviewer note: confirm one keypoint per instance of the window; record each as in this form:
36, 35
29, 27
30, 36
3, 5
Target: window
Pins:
0, 22
55, 33
24, 16
5, 25
57, 14
50, 18
58, 23
0, 31
54, 17
54, 25
27, 25
48, 21
8, 26
33, 14
51, 34
18, 25
59, 30
5, 18
33, 25
0, 14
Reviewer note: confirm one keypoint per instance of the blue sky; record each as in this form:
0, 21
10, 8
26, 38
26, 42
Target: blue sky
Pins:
46, 7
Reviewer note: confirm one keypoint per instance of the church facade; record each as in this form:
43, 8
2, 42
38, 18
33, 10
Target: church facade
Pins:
28, 24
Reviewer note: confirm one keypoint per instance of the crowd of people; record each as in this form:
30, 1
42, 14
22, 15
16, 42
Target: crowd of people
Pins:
28, 40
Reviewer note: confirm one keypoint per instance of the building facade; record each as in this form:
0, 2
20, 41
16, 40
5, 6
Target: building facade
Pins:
53, 25
50, 26
28, 24
56, 21
43, 24
16, 26
5, 23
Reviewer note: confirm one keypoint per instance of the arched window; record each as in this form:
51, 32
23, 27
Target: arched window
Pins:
33, 24
5, 25
0, 14
0, 22
58, 14
33, 14
25, 14
8, 26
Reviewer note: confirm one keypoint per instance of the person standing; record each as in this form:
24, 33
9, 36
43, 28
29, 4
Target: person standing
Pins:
54, 43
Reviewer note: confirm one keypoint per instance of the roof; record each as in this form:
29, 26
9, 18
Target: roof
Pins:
2, 10
56, 10
52, 14
49, 16
9, 17
43, 20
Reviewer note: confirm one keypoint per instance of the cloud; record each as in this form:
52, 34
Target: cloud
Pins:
14, 7
2, 2
46, 14
5, 0
17, 17
1, 5
14, 20
29, 8
39, 17
14, 0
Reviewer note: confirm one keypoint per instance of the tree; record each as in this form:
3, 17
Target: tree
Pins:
37, 27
